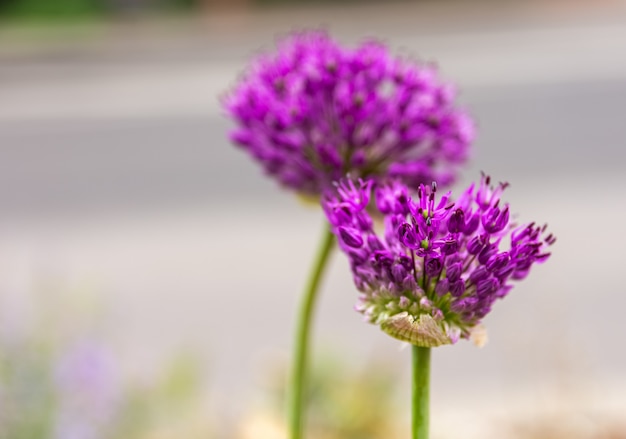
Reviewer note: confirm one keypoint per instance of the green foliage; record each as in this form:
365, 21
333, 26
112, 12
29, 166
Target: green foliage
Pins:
58, 372
346, 402
27, 391
70, 10
51, 9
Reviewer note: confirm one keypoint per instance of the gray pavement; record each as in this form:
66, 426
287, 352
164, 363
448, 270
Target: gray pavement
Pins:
117, 173
529, 132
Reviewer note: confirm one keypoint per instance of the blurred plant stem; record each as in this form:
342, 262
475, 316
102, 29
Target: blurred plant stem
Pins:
421, 392
304, 321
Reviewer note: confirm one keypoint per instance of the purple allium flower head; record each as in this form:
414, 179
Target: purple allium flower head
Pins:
316, 111
441, 264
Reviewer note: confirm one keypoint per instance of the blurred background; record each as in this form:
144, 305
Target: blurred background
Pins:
134, 239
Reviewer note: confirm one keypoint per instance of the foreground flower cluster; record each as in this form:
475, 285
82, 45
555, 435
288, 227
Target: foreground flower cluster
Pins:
441, 264
316, 111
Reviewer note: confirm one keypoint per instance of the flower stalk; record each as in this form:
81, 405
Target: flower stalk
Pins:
304, 321
420, 392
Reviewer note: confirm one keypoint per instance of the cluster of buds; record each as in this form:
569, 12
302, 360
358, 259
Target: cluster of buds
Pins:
316, 111
440, 265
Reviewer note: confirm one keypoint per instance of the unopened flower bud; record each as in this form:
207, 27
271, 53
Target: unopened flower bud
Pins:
453, 271
433, 267
475, 245
351, 237
456, 222
442, 287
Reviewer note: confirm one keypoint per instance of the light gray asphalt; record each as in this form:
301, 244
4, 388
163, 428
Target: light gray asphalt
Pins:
52, 166
195, 247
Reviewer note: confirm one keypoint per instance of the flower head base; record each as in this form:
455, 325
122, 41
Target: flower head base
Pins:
441, 264
316, 111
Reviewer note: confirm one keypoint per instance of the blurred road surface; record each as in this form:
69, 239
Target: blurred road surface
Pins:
115, 172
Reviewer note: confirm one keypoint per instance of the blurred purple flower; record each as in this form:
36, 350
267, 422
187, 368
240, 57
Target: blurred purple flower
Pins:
316, 111
88, 391
441, 265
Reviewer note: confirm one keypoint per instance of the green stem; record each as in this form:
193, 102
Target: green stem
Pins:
421, 391
301, 347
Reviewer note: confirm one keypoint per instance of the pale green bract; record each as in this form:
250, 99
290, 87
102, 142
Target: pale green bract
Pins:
422, 331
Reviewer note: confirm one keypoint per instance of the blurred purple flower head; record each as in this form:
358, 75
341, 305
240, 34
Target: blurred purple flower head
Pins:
88, 391
441, 264
316, 111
